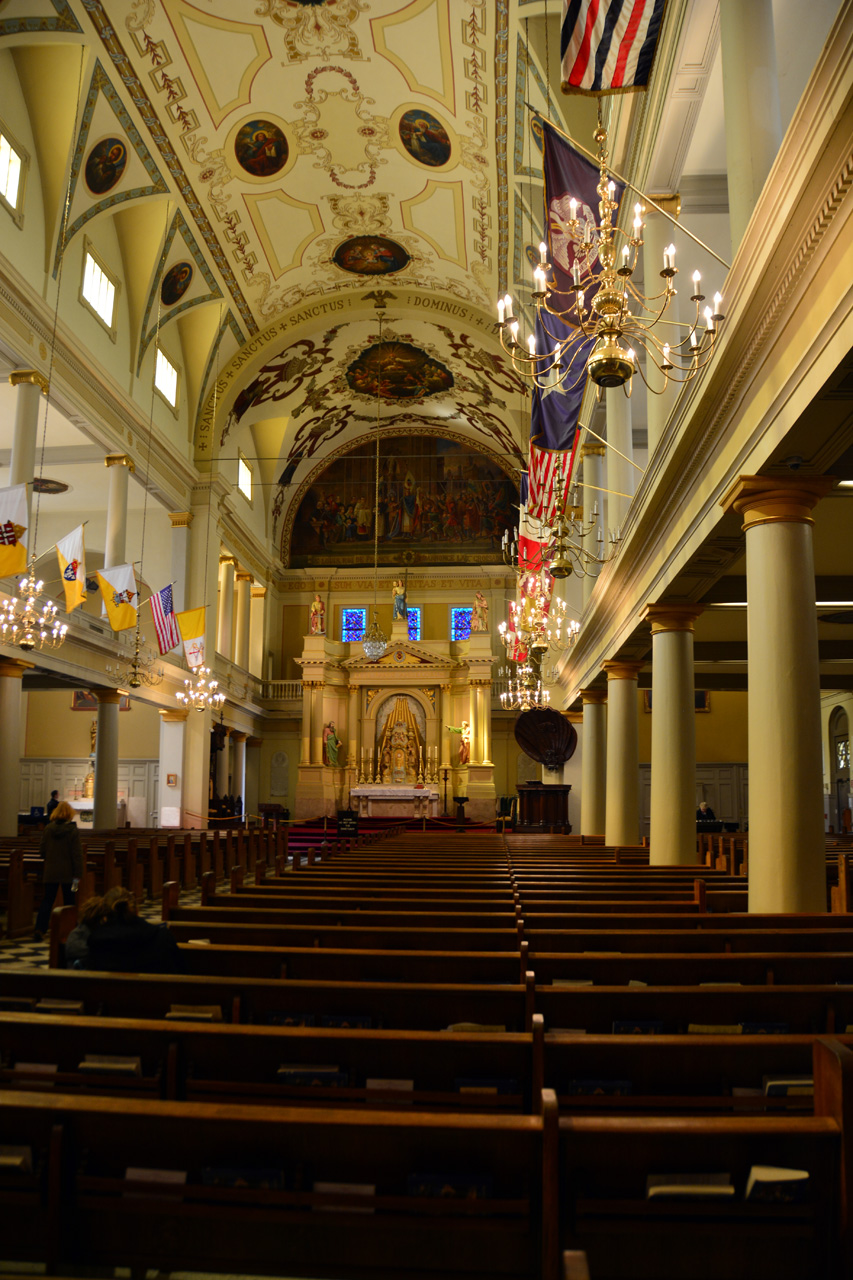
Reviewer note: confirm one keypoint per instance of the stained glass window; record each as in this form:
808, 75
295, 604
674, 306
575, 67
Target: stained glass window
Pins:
353, 624
842, 753
414, 619
460, 624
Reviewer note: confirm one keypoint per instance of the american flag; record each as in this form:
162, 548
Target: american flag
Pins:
165, 624
545, 466
608, 46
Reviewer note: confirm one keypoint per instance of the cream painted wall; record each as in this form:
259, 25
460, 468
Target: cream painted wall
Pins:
288, 739
54, 731
721, 733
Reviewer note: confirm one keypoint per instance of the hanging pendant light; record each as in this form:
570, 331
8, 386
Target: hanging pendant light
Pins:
375, 641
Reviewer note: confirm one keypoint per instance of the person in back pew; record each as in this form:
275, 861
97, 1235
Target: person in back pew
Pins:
110, 935
63, 863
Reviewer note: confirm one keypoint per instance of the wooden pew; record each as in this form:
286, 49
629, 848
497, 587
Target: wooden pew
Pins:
85, 1145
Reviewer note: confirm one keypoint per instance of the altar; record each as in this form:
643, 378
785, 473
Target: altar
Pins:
395, 802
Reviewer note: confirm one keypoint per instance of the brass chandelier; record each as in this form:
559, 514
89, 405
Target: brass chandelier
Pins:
605, 308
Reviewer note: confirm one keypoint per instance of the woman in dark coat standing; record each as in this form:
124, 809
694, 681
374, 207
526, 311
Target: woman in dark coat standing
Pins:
63, 863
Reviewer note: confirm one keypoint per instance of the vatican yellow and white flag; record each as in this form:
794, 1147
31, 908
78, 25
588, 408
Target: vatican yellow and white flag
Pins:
71, 553
191, 627
13, 530
118, 588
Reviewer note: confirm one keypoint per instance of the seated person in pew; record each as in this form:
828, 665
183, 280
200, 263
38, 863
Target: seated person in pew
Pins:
110, 935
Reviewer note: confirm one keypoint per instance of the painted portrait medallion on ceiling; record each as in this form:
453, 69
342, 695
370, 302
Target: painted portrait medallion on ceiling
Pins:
105, 165
176, 281
370, 256
261, 148
439, 503
397, 371
425, 138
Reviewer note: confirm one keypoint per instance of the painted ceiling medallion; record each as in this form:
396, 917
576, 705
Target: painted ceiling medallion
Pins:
313, 29
370, 256
398, 371
425, 138
175, 283
105, 164
261, 148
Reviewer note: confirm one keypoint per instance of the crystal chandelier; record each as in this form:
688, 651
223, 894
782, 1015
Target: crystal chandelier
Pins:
536, 623
138, 671
524, 691
200, 692
605, 306
375, 641
26, 623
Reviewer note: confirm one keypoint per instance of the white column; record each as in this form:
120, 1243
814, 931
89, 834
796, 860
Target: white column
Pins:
658, 234
181, 521
243, 591
622, 810
474, 716
486, 691
115, 544
253, 776
256, 631
592, 480
620, 471
11, 674
238, 767
354, 726
172, 734
195, 794
445, 732
225, 615
201, 588
673, 800
306, 722
786, 841
106, 760
317, 722
594, 762
751, 102
30, 384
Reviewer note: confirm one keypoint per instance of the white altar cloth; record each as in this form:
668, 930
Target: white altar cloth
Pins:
395, 802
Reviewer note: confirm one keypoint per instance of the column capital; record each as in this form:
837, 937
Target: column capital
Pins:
622, 670
181, 519
228, 559
776, 499
573, 717
672, 615
353, 690
592, 451
14, 669
174, 715
670, 202
17, 376
258, 593
239, 735
120, 460
254, 742
593, 697
108, 697
242, 576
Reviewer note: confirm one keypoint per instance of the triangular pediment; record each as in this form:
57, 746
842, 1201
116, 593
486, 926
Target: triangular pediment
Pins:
400, 656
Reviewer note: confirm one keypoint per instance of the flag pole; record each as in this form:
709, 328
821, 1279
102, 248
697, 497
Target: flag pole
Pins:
628, 183
634, 464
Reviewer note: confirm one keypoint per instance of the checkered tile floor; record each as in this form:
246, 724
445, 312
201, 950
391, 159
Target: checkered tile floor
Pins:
17, 951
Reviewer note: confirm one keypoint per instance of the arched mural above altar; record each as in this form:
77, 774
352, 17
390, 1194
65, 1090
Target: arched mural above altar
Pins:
439, 503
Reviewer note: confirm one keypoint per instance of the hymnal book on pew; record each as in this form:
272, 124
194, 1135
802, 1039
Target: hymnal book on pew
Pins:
765, 1028
349, 1189
261, 1179
110, 1064
390, 1085
787, 1086
625, 1027
308, 1074
714, 1029
495, 1085
194, 1013
37, 1068
17, 1004
16, 1159
292, 1020
477, 1028
599, 1088
450, 1186
59, 1006
166, 1177
770, 1184
712, 1186
572, 982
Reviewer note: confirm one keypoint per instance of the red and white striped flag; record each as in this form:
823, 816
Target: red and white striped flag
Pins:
608, 46
165, 623
545, 466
